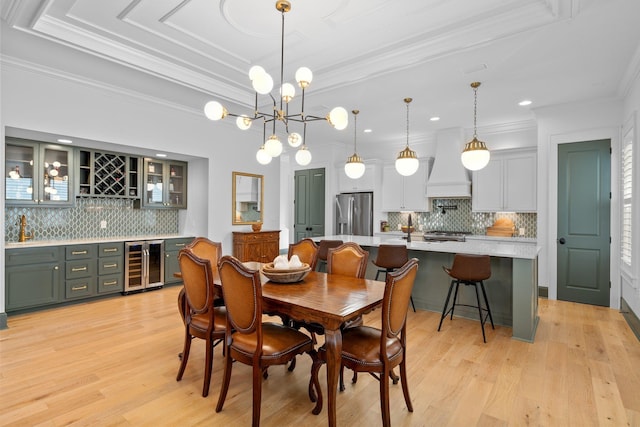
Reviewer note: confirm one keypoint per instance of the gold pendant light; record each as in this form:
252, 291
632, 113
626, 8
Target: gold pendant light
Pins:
475, 155
407, 162
354, 168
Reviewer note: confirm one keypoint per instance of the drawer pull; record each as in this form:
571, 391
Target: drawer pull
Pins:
79, 288
78, 252
111, 283
110, 250
79, 269
180, 244
110, 265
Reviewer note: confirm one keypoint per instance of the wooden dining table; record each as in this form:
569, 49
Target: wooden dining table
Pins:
327, 299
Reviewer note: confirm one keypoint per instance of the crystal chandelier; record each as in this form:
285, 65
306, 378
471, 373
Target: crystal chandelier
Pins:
475, 155
407, 162
354, 168
262, 83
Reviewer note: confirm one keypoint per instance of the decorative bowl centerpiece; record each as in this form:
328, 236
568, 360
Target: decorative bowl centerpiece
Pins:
256, 226
290, 275
405, 228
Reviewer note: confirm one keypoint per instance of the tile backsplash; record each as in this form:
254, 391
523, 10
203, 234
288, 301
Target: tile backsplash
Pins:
456, 215
83, 220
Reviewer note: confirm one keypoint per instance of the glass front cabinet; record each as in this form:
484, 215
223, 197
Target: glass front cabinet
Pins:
38, 173
165, 184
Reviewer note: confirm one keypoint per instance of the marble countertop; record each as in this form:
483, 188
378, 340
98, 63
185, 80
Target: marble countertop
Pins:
497, 247
43, 243
418, 236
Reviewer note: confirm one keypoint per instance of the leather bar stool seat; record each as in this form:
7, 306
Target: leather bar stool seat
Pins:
389, 259
470, 270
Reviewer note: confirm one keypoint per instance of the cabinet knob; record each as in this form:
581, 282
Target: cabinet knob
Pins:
55, 268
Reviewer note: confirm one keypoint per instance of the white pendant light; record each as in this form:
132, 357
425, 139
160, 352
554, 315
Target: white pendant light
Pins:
294, 139
303, 156
354, 168
262, 156
273, 146
475, 155
407, 162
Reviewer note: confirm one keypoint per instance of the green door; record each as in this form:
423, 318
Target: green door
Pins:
584, 200
309, 203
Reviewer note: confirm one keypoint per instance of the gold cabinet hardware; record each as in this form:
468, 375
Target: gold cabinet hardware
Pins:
180, 244
79, 269
56, 267
110, 250
78, 252
110, 265
111, 283
79, 288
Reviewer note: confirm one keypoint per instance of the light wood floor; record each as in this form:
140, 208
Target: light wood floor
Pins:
113, 362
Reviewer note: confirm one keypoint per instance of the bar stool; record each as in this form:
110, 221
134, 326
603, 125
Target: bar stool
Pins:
470, 270
323, 248
389, 259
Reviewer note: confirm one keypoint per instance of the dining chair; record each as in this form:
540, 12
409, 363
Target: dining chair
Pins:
348, 259
205, 249
248, 340
307, 251
378, 351
201, 318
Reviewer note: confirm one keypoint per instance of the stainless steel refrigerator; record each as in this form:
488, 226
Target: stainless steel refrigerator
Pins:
354, 214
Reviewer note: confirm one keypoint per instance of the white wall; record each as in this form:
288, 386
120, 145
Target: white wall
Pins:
573, 123
36, 98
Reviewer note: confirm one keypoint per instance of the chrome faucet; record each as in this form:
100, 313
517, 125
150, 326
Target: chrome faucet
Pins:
22, 237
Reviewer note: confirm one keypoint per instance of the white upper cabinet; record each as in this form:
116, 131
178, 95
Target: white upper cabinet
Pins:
507, 183
405, 193
365, 183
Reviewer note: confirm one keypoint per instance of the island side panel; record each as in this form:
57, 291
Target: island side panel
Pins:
525, 299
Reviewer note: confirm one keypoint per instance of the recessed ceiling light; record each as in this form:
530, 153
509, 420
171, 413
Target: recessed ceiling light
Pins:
434, 118
161, 155
65, 141
524, 103
367, 131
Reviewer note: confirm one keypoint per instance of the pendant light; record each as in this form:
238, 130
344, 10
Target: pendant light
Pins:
407, 161
354, 168
475, 155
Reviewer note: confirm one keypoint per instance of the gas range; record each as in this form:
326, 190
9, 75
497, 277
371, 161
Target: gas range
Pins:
445, 236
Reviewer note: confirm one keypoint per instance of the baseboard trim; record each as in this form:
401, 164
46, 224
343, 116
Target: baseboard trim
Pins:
3, 321
630, 317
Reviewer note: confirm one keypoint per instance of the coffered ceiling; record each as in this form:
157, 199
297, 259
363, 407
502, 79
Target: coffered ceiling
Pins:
365, 54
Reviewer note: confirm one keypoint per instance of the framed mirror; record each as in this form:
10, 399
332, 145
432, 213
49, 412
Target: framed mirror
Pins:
247, 194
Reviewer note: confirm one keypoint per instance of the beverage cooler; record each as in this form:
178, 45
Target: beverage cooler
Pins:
144, 265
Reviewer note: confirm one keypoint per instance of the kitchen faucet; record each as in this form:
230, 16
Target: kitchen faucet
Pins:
22, 237
409, 230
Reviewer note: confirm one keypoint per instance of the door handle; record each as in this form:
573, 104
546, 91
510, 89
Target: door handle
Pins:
562, 241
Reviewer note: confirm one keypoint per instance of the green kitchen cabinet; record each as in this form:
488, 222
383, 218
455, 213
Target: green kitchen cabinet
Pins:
164, 184
110, 267
171, 265
38, 174
80, 271
33, 277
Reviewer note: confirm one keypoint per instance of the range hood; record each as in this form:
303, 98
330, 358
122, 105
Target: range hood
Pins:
449, 178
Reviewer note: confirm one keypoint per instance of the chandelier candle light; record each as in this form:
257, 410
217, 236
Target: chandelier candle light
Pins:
475, 155
262, 83
354, 168
407, 162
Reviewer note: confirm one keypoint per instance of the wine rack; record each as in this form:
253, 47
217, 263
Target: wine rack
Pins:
108, 174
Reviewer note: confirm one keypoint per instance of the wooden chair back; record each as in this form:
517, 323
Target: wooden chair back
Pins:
348, 259
307, 251
242, 293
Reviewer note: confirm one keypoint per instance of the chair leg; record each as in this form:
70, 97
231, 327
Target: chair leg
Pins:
486, 301
455, 298
405, 385
185, 355
226, 377
446, 304
341, 377
412, 304
384, 399
314, 382
257, 395
208, 366
292, 365
475, 285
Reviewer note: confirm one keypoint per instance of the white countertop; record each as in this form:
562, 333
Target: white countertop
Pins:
418, 237
43, 243
497, 248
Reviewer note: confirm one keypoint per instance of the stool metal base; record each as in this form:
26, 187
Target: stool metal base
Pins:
483, 319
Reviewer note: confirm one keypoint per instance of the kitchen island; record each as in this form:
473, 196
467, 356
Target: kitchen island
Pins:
512, 289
